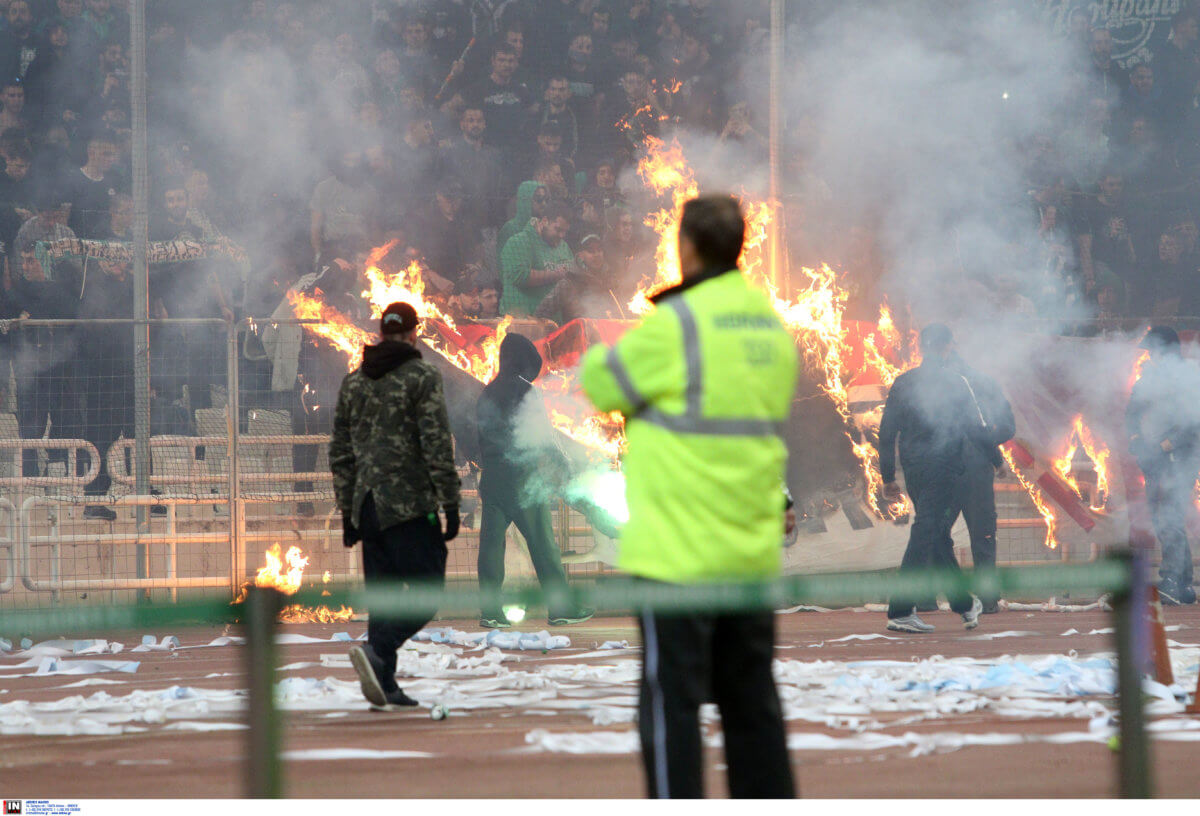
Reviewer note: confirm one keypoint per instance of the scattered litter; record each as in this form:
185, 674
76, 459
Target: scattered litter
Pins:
352, 753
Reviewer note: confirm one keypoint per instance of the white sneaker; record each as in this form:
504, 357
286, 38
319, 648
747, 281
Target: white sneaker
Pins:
971, 616
909, 623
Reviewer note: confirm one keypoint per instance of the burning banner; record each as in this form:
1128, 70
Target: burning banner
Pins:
848, 367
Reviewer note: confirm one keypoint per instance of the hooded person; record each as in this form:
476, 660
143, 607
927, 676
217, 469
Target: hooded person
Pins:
532, 198
392, 457
516, 443
1163, 424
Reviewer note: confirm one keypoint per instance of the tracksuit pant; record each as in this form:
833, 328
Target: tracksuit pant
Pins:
412, 551
696, 658
977, 484
1169, 493
502, 508
937, 498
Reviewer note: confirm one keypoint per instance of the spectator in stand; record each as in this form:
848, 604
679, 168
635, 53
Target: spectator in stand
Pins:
534, 260
50, 224
415, 160
90, 188
417, 60
120, 219
1142, 99
1169, 281
1104, 232
532, 199
106, 369
556, 109
347, 71
54, 93
1108, 78
43, 360
586, 292
621, 243
477, 165
388, 83
103, 23
505, 102
18, 43
633, 116
584, 76
16, 188
549, 172
1178, 70
604, 181
444, 239
343, 206
191, 355
12, 106
67, 13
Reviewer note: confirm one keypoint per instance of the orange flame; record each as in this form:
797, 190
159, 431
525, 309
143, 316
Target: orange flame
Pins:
1039, 501
288, 581
1097, 452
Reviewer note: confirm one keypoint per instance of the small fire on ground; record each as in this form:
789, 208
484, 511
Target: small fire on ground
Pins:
284, 571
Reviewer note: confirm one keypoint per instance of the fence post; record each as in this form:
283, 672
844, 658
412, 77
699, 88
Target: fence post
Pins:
1134, 755
237, 552
264, 779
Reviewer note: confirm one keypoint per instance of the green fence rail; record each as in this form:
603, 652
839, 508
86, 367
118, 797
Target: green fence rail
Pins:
259, 615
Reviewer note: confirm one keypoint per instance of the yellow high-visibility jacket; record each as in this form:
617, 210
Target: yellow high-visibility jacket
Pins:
705, 383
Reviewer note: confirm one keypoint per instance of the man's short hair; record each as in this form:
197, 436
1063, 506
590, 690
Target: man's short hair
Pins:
715, 226
503, 48
557, 209
935, 338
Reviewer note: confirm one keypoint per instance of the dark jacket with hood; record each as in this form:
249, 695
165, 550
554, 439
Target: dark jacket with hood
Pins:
510, 457
520, 220
391, 438
998, 423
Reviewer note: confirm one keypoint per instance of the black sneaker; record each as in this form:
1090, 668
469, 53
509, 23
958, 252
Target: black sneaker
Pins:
396, 700
577, 616
494, 622
1171, 594
990, 607
369, 668
98, 513
158, 509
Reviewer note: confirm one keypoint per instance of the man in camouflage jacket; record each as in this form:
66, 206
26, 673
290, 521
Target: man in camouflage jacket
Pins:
392, 459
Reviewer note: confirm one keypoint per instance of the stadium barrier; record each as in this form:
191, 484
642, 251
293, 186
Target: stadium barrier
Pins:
1115, 575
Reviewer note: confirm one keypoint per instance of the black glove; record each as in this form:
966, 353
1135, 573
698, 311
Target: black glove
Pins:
350, 535
452, 522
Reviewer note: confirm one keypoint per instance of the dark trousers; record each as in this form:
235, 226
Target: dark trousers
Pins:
697, 658
1169, 493
937, 498
48, 396
535, 523
108, 391
411, 552
978, 486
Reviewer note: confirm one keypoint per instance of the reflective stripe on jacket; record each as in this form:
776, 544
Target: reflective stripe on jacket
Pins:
705, 383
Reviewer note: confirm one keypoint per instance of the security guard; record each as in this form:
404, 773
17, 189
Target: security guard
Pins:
1163, 422
392, 458
705, 383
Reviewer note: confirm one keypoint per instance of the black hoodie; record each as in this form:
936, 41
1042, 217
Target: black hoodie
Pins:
387, 356
504, 464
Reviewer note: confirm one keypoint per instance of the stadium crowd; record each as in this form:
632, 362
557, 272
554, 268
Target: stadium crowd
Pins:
485, 137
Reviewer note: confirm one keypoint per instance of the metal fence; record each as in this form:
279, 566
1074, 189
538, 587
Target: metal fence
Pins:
237, 465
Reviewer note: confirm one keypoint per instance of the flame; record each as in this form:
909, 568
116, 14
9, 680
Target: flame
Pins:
1039, 501
1081, 436
665, 171
288, 581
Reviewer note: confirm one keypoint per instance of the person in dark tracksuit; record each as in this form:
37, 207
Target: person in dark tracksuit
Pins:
935, 416
392, 458
1163, 423
982, 462
512, 486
